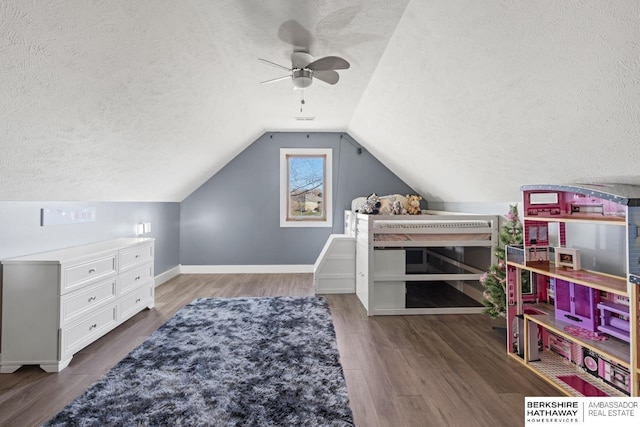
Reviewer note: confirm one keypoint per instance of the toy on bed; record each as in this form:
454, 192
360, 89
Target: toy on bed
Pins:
413, 204
371, 206
397, 208
392, 204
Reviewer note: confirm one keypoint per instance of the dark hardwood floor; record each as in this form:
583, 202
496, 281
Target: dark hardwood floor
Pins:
435, 370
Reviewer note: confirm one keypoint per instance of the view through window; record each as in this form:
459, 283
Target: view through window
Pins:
305, 187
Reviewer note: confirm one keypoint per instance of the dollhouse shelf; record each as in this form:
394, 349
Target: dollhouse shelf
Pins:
584, 218
603, 282
552, 366
606, 320
617, 350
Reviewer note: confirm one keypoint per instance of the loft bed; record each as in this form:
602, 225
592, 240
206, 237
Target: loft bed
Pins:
420, 264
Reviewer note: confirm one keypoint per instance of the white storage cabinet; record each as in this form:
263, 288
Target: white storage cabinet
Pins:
56, 303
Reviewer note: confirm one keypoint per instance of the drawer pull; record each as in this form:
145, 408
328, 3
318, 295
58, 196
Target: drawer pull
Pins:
92, 327
137, 278
138, 300
137, 255
92, 299
93, 270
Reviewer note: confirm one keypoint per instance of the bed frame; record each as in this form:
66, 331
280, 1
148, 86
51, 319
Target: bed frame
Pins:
381, 272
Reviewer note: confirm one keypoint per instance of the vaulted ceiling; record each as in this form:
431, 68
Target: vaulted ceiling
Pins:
464, 100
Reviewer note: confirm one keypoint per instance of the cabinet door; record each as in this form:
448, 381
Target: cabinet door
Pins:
575, 304
582, 301
563, 296
584, 305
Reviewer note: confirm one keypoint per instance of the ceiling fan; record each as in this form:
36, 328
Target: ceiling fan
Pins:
304, 69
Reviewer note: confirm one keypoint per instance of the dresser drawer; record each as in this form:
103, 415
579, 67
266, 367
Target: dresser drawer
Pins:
134, 278
78, 275
135, 301
135, 256
75, 304
79, 334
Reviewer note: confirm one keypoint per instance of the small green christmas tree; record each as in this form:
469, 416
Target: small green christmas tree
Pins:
494, 280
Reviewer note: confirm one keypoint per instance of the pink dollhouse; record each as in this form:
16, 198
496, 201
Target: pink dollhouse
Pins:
571, 325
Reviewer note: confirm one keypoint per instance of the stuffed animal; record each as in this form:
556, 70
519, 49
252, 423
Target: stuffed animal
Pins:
371, 205
386, 205
398, 208
413, 204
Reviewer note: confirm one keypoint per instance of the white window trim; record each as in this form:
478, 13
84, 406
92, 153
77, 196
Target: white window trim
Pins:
328, 153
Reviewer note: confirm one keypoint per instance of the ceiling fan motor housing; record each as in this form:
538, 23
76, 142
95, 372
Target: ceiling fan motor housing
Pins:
301, 77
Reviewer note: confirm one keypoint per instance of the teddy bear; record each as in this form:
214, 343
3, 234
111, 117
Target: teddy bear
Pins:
397, 208
413, 204
371, 205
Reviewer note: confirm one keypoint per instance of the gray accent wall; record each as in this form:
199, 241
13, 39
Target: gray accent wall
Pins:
21, 233
233, 219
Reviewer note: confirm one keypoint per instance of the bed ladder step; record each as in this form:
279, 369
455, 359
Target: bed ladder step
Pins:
334, 271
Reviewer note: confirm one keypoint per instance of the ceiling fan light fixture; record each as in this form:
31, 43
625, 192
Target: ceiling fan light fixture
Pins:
301, 78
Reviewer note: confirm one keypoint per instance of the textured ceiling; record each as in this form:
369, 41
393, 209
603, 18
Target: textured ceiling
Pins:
496, 94
464, 100
145, 100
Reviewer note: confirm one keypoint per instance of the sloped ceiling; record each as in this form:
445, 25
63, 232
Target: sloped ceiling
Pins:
464, 100
472, 99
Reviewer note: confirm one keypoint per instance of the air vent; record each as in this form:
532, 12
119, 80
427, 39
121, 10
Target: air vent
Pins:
304, 119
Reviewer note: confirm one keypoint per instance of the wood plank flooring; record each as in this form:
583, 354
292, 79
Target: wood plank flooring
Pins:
435, 370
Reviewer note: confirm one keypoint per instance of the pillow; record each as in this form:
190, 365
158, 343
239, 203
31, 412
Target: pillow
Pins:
386, 204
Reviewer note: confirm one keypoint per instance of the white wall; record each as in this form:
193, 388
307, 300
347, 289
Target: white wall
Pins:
473, 99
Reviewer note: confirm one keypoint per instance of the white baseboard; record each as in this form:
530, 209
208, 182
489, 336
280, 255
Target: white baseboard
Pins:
334, 291
167, 275
245, 269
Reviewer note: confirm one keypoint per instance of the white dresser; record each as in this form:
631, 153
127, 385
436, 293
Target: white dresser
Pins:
56, 303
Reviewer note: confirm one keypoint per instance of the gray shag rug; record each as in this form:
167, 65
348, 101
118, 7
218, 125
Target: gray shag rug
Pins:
226, 362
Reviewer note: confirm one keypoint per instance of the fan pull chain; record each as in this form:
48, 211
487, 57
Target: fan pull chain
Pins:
301, 99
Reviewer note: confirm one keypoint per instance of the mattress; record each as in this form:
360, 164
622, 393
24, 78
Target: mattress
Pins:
428, 223
430, 230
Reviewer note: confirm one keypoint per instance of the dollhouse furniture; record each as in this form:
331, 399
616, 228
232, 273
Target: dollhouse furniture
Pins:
601, 356
576, 304
56, 303
617, 326
587, 208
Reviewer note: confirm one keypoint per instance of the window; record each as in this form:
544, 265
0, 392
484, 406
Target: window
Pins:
305, 187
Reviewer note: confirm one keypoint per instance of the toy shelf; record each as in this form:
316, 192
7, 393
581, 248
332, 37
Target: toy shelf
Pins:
617, 350
607, 220
604, 282
552, 367
612, 325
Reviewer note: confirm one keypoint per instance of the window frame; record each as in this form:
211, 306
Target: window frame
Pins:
285, 154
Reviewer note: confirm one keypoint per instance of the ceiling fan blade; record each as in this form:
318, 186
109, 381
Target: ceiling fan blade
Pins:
329, 63
328, 76
295, 34
277, 79
300, 59
273, 64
